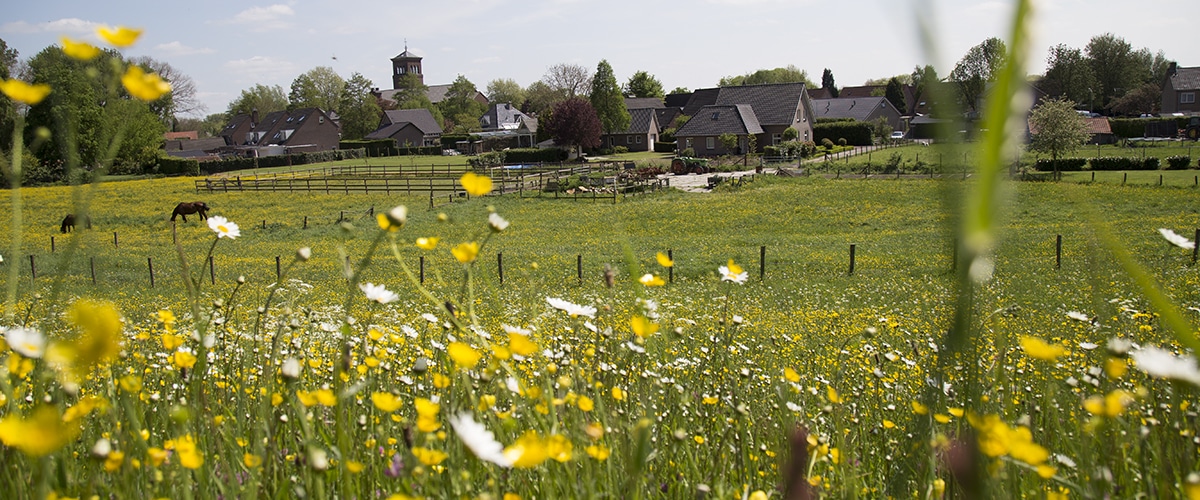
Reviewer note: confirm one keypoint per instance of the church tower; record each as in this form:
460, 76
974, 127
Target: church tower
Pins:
404, 64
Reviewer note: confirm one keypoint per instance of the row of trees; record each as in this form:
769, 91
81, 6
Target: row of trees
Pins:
1108, 76
321, 87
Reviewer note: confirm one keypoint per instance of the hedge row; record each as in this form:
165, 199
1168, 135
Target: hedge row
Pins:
1178, 162
169, 165
664, 147
854, 132
535, 155
1108, 164
1147, 127
229, 164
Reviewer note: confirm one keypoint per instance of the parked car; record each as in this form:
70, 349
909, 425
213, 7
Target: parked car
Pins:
897, 135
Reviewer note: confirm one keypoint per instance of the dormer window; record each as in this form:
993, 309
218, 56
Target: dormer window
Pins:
716, 115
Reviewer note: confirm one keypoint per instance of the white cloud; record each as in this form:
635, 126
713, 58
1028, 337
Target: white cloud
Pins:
265, 18
61, 26
260, 69
177, 48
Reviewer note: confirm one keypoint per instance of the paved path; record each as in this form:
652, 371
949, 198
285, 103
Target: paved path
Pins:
698, 183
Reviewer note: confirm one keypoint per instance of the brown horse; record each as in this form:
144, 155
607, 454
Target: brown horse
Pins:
192, 207
68, 223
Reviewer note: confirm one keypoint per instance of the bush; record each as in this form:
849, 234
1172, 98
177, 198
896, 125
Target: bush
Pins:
492, 159
664, 147
791, 134
620, 150
841, 141
856, 133
827, 143
240, 163
1178, 162
451, 141
1123, 163
374, 147
689, 152
1064, 165
535, 155
807, 149
168, 165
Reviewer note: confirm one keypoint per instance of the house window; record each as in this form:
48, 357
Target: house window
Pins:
1187, 97
776, 138
629, 139
710, 142
639, 139
687, 143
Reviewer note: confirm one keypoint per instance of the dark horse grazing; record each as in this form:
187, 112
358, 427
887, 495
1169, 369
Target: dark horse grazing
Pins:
68, 223
193, 207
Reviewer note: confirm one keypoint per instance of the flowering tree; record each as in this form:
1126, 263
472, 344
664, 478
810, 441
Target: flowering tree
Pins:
574, 122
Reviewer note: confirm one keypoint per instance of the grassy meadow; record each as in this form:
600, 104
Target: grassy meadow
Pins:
692, 388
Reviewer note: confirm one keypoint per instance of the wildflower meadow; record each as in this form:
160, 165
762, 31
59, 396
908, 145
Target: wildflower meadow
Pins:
992, 340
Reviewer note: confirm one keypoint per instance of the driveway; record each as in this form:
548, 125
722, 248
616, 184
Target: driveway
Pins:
698, 183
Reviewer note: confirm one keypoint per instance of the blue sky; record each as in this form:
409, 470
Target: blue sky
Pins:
229, 46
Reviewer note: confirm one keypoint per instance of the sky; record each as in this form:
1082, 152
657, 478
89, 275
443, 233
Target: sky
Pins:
226, 47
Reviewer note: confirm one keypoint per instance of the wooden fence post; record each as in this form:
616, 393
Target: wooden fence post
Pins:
1196, 248
278, 270
762, 262
32, 269
115, 240
150, 264
671, 270
500, 266
51, 244
852, 248
579, 268
422, 269
93, 265
1058, 252
305, 222
212, 273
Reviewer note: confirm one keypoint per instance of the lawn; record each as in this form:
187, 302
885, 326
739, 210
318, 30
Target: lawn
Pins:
307, 385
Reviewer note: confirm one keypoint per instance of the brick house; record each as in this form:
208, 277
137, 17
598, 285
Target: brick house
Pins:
770, 109
282, 132
641, 134
702, 133
863, 109
409, 127
1180, 89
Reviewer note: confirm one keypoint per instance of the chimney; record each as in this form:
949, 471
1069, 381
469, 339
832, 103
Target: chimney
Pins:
1172, 69
254, 118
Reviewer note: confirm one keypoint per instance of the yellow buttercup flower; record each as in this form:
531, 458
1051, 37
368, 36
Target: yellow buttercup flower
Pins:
251, 460
790, 375
833, 396
466, 252
476, 185
386, 402
529, 451
42, 433
20, 91
428, 456
585, 403
120, 37
643, 327
1039, 349
101, 339
651, 280
463, 355
598, 452
427, 243
520, 344
143, 85
82, 51
189, 456
183, 359
664, 260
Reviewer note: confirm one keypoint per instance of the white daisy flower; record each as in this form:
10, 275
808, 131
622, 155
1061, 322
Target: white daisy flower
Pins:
291, 368
223, 227
1176, 239
1078, 316
733, 273
479, 440
571, 309
378, 293
1161, 363
26, 342
497, 222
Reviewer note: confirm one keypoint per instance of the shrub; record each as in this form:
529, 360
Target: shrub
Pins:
664, 147
841, 141
808, 148
620, 150
373, 147
1123, 163
491, 159
791, 134
1064, 164
450, 141
688, 152
827, 143
535, 155
893, 163
168, 165
856, 133
1178, 162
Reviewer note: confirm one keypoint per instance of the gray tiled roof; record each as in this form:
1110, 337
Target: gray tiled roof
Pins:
632, 103
499, 115
640, 121
387, 131
1186, 79
420, 118
677, 100
699, 99
858, 108
774, 104
722, 119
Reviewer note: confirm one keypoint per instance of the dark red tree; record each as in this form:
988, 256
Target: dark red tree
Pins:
574, 122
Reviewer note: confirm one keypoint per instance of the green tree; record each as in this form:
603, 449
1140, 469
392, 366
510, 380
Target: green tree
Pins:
259, 98
1144, 99
505, 90
894, 92
460, 110
183, 99
679, 90
359, 112
643, 84
8, 59
209, 126
979, 66
574, 123
922, 77
1068, 75
607, 100
320, 88
828, 84
729, 142
904, 79
88, 120
1115, 66
540, 98
790, 74
1056, 129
